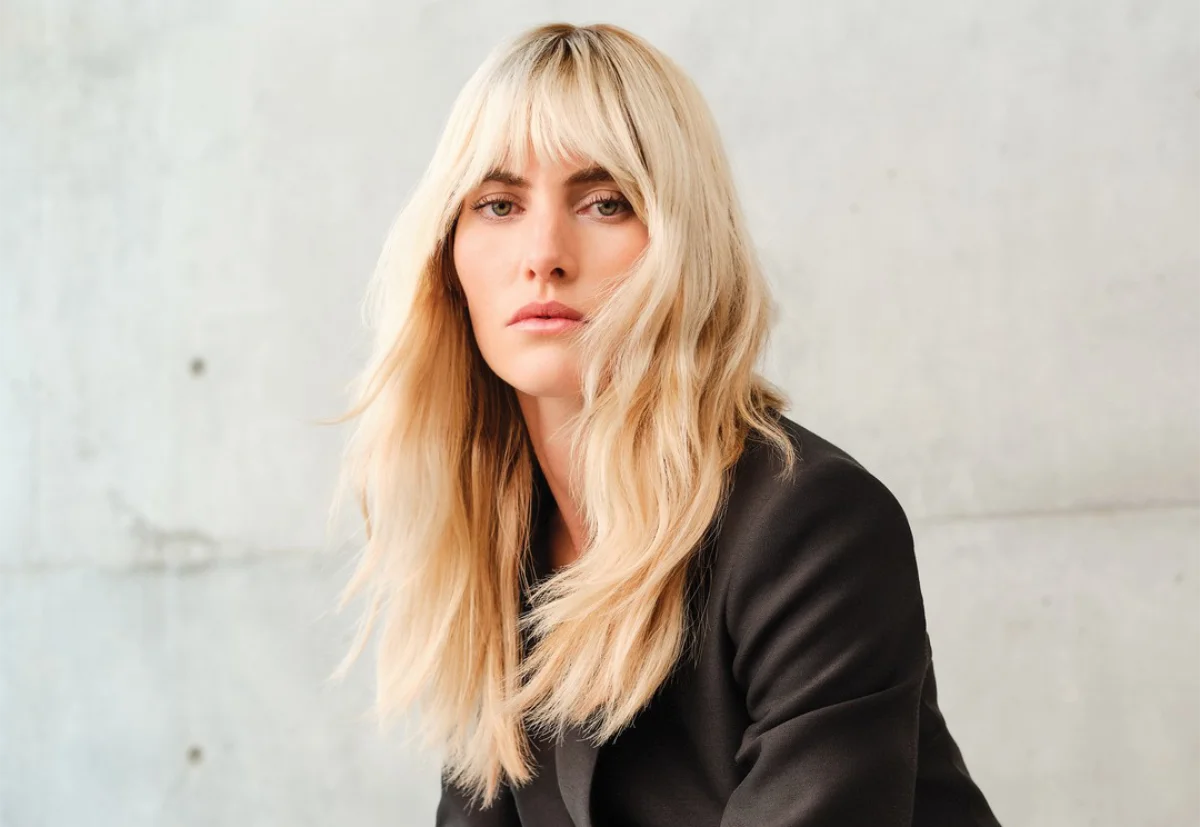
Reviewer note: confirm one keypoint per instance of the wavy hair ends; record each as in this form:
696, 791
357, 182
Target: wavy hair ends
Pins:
440, 461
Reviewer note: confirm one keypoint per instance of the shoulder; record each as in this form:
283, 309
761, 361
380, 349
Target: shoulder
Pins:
826, 483
831, 532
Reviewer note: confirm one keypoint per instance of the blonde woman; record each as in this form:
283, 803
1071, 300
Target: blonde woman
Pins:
621, 586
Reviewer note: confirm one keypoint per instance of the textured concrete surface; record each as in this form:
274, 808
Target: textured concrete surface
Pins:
983, 225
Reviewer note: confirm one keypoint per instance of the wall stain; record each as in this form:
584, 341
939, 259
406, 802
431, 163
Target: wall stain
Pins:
158, 548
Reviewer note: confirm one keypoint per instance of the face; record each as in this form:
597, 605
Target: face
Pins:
538, 235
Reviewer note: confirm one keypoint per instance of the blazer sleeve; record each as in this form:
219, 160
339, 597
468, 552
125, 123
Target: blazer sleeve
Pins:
828, 624
455, 810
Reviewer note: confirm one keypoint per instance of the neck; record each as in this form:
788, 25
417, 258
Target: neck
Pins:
545, 419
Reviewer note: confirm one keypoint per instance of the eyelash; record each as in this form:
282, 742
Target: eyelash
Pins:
599, 198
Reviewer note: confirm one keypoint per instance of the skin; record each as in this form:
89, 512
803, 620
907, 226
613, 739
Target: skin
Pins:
537, 235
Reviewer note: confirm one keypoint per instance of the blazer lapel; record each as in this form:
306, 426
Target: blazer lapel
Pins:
574, 754
575, 759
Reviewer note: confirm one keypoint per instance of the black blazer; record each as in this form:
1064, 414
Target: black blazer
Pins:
811, 699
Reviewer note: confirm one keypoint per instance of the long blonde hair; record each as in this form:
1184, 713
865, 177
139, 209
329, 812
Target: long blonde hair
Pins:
441, 462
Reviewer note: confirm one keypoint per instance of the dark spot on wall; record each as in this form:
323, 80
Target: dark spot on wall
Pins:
1046, 601
1178, 577
197, 366
195, 755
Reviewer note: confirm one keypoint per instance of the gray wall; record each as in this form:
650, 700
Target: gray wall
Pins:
983, 223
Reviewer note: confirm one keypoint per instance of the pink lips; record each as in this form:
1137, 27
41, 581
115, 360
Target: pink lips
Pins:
547, 316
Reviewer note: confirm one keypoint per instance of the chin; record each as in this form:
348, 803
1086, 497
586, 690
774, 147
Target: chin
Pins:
563, 382
548, 372
547, 390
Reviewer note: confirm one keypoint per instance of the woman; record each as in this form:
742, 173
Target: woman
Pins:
623, 588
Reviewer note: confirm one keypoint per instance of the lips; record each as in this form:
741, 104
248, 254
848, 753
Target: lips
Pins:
546, 310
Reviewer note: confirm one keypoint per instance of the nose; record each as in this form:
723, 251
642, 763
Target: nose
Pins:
549, 250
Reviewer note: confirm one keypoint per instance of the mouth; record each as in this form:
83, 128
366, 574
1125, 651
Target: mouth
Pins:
547, 324
536, 315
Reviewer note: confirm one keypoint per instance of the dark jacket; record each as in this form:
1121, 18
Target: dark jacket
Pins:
810, 700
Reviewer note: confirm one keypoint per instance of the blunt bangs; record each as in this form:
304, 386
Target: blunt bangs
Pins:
564, 102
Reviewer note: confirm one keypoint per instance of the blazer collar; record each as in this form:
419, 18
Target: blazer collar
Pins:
574, 756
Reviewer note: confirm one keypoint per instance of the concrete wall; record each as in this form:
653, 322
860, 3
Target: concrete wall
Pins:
983, 223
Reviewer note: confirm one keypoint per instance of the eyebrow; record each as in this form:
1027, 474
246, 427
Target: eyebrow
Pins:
588, 175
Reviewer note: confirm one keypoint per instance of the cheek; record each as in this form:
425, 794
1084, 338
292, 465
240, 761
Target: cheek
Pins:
474, 257
465, 260
620, 252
